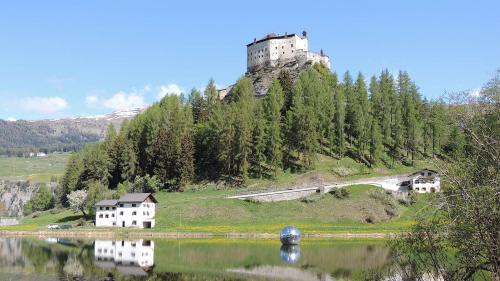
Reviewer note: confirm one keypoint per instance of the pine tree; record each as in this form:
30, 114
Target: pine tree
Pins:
362, 121
199, 107
376, 146
212, 96
385, 105
340, 120
352, 108
273, 104
242, 104
259, 139
286, 84
185, 160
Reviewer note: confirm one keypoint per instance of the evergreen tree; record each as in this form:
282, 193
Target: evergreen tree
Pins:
362, 120
185, 160
340, 121
242, 109
376, 146
199, 107
352, 108
273, 104
385, 105
286, 83
212, 95
259, 139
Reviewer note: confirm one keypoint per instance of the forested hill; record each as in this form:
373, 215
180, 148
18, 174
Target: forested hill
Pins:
176, 142
18, 138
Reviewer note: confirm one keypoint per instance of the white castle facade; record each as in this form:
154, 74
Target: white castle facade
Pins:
274, 49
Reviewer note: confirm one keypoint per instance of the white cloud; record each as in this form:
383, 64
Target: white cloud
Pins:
170, 89
124, 101
91, 100
44, 104
11, 119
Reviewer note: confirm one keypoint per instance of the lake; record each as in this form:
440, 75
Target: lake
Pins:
188, 259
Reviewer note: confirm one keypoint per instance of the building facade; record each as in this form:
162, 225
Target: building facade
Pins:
273, 49
134, 257
131, 210
425, 181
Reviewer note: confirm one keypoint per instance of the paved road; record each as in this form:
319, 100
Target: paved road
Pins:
386, 182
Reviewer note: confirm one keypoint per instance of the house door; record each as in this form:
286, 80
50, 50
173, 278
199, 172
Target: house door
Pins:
123, 223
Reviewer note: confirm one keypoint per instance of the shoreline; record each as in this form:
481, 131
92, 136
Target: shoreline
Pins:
183, 235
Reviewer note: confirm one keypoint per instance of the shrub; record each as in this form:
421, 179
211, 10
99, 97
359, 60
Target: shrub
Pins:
340, 193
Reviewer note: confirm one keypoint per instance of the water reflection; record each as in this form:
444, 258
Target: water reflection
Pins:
181, 260
130, 257
290, 253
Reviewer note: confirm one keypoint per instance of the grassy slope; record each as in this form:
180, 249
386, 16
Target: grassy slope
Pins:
34, 169
209, 211
203, 207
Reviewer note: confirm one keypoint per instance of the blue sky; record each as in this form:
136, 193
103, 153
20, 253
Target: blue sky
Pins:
68, 58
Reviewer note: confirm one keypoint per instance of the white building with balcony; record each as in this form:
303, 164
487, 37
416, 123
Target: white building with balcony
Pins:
131, 257
425, 181
131, 210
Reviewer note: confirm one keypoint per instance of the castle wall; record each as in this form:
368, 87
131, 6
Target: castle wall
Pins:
272, 50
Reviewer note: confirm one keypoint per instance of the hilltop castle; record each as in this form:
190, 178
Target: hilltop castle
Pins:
275, 49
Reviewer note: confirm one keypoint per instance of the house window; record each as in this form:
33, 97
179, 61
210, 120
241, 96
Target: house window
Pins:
113, 243
112, 215
121, 213
133, 205
292, 45
100, 216
133, 244
134, 213
107, 216
114, 208
114, 223
101, 208
121, 205
134, 222
107, 208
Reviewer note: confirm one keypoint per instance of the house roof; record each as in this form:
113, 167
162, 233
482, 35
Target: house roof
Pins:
107, 203
136, 197
419, 171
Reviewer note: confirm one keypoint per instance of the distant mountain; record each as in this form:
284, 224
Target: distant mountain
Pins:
67, 134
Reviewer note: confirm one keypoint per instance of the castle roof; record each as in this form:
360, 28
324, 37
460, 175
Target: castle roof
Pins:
271, 36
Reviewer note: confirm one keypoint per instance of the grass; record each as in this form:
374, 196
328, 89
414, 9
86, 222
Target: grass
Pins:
209, 211
33, 169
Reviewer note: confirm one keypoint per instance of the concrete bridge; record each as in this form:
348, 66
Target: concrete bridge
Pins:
391, 183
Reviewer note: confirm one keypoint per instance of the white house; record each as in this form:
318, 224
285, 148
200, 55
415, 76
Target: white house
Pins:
425, 181
282, 48
134, 257
131, 210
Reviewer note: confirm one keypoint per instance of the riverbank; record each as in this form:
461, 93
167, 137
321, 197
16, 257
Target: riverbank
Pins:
182, 235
